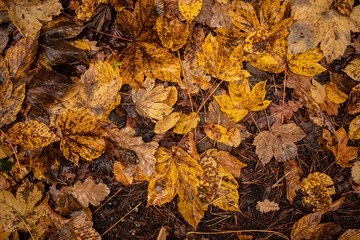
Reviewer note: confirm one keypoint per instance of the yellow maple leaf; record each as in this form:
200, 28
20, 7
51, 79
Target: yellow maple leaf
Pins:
143, 56
172, 33
82, 136
318, 187
97, 91
186, 123
241, 100
221, 134
221, 61
177, 173
190, 8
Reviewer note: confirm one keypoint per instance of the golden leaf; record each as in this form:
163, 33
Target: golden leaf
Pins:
278, 142
153, 103
143, 56
220, 134
194, 79
345, 7
222, 62
353, 69
293, 174
168, 122
306, 226
228, 162
350, 234
96, 91
31, 135
177, 173
334, 94
45, 165
172, 33
28, 15
306, 63
190, 8
11, 98
318, 187
82, 136
186, 123
88, 192
15, 212
354, 128
241, 100
267, 206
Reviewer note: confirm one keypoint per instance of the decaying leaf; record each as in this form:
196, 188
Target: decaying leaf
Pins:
350, 234
195, 79
28, 14
135, 157
15, 212
241, 100
220, 134
154, 103
31, 135
96, 91
221, 61
337, 143
172, 33
353, 69
177, 173
318, 187
82, 136
190, 8
293, 174
355, 172
290, 107
88, 192
354, 128
267, 206
186, 123
317, 23
306, 226
278, 142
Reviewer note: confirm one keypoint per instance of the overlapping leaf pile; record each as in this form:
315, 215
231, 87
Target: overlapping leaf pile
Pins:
72, 69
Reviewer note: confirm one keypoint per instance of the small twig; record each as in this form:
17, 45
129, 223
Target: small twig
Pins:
282, 178
107, 200
94, 30
258, 128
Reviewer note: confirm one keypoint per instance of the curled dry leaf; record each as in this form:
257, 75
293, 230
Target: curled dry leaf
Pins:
88, 192
267, 206
278, 142
136, 158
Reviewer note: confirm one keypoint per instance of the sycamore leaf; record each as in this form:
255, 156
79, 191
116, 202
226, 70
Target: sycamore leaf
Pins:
14, 212
337, 143
88, 192
194, 79
168, 122
354, 128
293, 174
82, 136
220, 134
278, 142
143, 56
355, 172
241, 100
177, 173
28, 14
353, 69
318, 187
305, 227
217, 186
190, 8
318, 23
31, 135
96, 91
350, 234
267, 206
172, 33
135, 157
228, 162
154, 103
186, 123
221, 61
11, 98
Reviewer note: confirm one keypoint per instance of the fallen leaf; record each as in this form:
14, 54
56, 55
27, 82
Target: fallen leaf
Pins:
353, 69
241, 100
194, 79
88, 192
306, 226
228, 162
334, 94
353, 103
177, 173
172, 33
318, 188
195, 46
220, 134
186, 123
190, 8
167, 122
354, 128
15, 212
290, 107
82, 136
293, 174
350, 234
28, 15
355, 172
278, 142
31, 134
162, 234
267, 206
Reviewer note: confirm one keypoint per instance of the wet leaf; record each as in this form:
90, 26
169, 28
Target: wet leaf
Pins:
31, 134
186, 123
172, 33
82, 136
318, 187
15, 211
306, 226
190, 8
28, 15
293, 174
267, 206
88, 192
96, 91
222, 62
278, 142
177, 173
